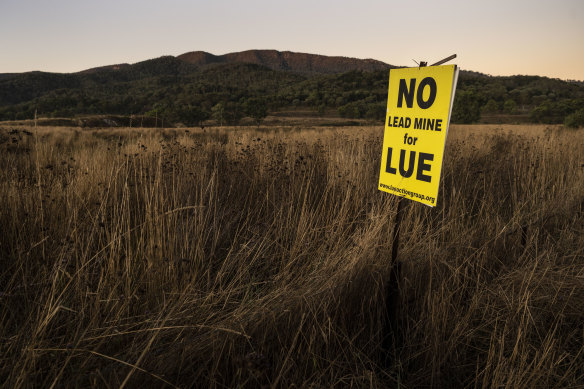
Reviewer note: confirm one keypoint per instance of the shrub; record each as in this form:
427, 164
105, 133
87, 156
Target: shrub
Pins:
575, 120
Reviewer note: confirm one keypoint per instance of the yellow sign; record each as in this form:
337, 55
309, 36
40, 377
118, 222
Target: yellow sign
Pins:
419, 104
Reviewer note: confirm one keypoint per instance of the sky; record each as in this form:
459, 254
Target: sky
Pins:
496, 37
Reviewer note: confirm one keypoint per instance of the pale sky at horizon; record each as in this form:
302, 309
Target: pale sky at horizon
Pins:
497, 37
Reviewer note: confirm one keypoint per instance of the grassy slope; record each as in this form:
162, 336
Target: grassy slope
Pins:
234, 256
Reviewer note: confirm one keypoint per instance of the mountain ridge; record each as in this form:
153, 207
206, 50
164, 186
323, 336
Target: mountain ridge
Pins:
304, 63
288, 61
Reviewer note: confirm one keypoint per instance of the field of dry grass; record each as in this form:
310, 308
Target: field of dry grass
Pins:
259, 258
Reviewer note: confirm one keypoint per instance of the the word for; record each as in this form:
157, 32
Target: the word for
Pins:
409, 140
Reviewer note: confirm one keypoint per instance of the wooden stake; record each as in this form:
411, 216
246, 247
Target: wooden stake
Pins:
391, 336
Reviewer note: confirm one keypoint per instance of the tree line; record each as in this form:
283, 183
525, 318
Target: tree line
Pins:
182, 93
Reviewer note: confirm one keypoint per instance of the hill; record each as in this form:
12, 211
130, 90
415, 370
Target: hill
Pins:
198, 86
288, 61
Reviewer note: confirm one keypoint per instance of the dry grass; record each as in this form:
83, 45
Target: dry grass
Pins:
248, 258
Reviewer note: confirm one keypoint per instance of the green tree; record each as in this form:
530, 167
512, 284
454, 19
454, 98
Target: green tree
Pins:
218, 112
376, 111
192, 115
355, 110
491, 106
541, 113
466, 107
155, 112
257, 109
510, 106
233, 113
575, 119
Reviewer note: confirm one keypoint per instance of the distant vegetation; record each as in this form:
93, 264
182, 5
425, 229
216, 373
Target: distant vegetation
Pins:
181, 92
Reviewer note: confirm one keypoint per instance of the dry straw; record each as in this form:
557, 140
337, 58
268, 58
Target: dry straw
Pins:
234, 257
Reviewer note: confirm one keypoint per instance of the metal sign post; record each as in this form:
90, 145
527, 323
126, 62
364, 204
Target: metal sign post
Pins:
392, 337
